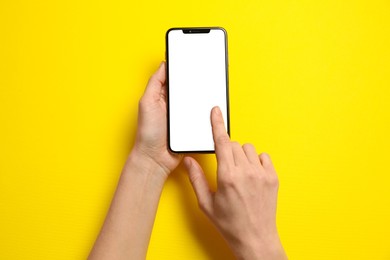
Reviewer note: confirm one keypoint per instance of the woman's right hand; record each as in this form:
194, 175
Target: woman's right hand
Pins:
244, 206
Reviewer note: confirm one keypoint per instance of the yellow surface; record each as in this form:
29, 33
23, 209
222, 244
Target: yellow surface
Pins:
310, 85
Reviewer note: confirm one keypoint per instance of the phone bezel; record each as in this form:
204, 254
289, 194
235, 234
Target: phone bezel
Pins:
196, 30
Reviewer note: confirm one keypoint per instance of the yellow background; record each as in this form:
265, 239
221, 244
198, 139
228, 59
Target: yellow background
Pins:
309, 83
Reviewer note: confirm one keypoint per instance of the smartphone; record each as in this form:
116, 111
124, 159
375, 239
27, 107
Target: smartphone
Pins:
197, 80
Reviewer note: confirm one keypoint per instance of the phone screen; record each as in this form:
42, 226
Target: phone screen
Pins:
197, 79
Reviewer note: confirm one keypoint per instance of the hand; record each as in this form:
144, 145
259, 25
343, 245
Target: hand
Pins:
151, 140
244, 206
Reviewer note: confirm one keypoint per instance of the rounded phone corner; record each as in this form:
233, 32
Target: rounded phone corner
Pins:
170, 29
222, 29
171, 149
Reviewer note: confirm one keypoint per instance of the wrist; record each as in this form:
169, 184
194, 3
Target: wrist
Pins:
270, 248
143, 165
155, 156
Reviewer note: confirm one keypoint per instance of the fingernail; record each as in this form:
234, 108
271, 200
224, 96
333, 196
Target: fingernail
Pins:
217, 111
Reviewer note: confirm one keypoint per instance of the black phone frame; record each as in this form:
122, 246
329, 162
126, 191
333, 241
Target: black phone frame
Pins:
196, 30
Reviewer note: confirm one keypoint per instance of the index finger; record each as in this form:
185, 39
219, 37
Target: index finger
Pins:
223, 149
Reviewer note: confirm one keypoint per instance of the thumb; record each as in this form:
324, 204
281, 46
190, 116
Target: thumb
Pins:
199, 184
156, 83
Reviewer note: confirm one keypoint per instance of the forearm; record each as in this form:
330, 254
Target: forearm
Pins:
129, 222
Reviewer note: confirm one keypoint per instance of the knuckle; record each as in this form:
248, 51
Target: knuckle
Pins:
222, 139
253, 174
227, 181
273, 180
218, 119
262, 177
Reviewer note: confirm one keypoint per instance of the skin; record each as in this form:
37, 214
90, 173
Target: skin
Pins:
243, 208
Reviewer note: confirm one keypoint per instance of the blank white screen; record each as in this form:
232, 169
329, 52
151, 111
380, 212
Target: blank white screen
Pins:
197, 83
